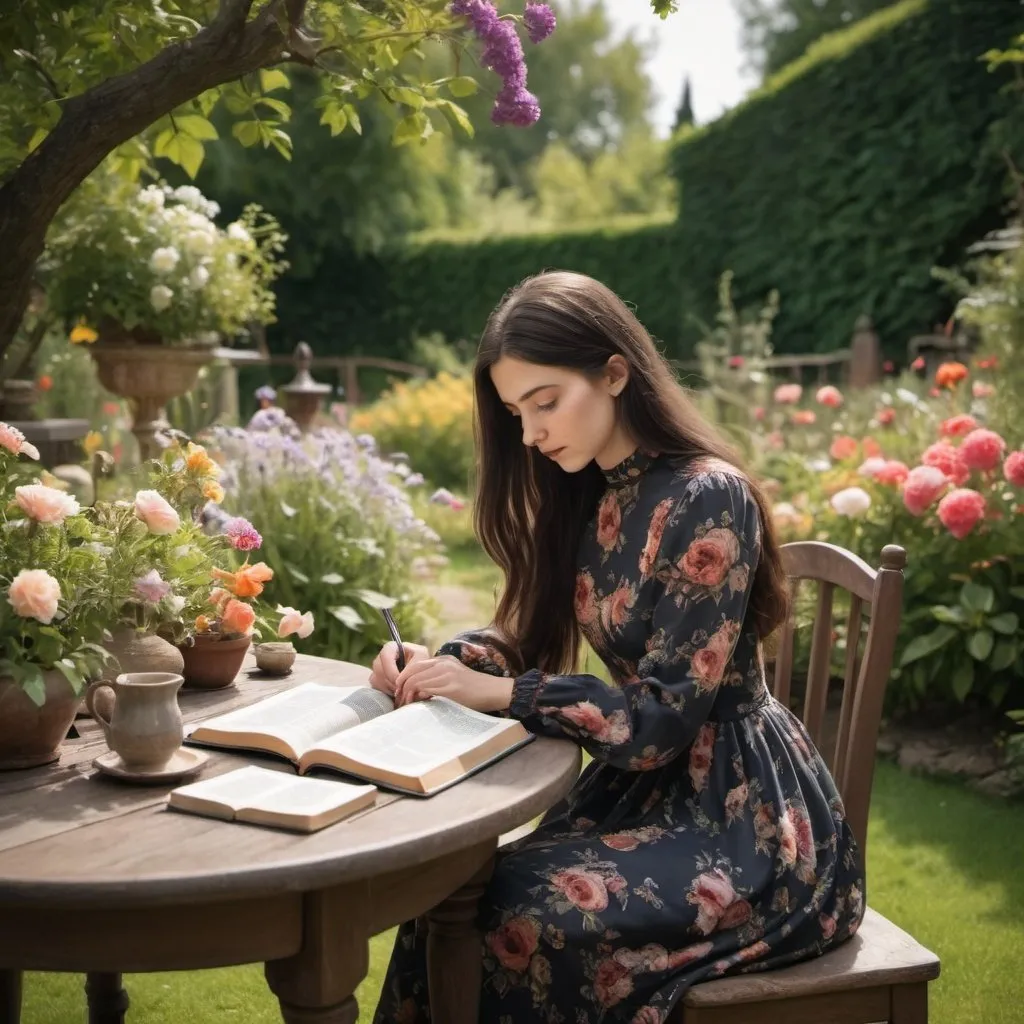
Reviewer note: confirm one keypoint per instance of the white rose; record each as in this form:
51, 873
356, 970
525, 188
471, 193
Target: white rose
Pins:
164, 260
198, 242
160, 297
239, 233
851, 501
199, 277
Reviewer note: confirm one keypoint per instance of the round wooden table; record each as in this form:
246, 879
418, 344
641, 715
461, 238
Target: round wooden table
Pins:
99, 877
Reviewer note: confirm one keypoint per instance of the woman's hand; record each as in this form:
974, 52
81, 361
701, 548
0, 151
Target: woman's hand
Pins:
384, 671
448, 677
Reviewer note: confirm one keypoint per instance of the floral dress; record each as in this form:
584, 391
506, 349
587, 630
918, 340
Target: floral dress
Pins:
706, 836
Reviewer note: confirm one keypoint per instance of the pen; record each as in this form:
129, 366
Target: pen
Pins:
393, 630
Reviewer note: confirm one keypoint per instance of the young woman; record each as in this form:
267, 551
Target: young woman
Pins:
706, 835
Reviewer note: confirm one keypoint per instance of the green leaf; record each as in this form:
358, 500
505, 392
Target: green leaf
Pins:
282, 142
297, 574
458, 115
977, 598
1006, 623
922, 646
963, 680
348, 616
997, 691
247, 132
196, 126
1017, 592
952, 614
409, 129
464, 85
353, 118
1004, 655
32, 683
278, 106
66, 667
410, 97
271, 79
979, 646
335, 118
1017, 714
375, 599
333, 578
190, 154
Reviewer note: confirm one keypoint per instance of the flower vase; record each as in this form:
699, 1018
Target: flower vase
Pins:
29, 735
212, 663
135, 650
149, 376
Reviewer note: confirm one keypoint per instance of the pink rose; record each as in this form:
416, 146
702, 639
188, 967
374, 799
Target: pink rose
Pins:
753, 952
45, 504
654, 535
830, 396
583, 889
155, 511
621, 841
735, 801
609, 520
893, 472
34, 594
736, 913
586, 715
711, 893
586, 606
14, 441
151, 587
700, 756
292, 621
960, 511
1013, 468
515, 942
682, 957
615, 607
787, 841
708, 664
957, 426
944, 456
922, 488
615, 884
982, 449
805, 851
788, 394
828, 926
708, 559
612, 983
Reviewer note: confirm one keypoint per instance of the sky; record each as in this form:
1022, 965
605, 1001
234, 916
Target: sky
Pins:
702, 40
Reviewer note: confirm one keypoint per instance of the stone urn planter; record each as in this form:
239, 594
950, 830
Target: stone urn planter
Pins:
149, 376
29, 735
212, 663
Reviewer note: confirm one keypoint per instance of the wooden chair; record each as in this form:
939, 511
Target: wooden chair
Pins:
881, 974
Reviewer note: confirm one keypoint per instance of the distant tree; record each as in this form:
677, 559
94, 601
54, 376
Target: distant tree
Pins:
684, 112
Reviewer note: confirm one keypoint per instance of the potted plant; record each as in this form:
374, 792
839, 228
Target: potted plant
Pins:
53, 609
151, 283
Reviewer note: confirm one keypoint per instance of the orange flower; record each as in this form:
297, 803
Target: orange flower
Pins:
202, 624
844, 447
803, 417
213, 491
198, 461
237, 617
872, 449
948, 375
219, 596
81, 332
45, 382
248, 581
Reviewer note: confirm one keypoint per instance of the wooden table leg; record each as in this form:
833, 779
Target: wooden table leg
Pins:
107, 999
316, 985
10, 996
454, 953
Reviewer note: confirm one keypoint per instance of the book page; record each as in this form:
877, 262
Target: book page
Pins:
417, 737
305, 715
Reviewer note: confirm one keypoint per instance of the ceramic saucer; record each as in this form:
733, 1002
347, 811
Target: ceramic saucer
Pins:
184, 763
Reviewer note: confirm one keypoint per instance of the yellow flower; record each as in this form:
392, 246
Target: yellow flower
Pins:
82, 332
202, 624
92, 442
213, 491
197, 460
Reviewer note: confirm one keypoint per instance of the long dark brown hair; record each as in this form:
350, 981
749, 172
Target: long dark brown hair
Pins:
529, 513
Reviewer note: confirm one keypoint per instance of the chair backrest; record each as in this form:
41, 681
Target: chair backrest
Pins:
879, 593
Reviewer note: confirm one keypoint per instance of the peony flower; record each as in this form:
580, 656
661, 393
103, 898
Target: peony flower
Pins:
922, 488
944, 456
869, 467
164, 259
788, 394
14, 441
957, 426
948, 375
34, 594
851, 501
982, 449
539, 20
242, 534
1013, 468
160, 297
979, 389
156, 512
830, 396
844, 447
45, 504
199, 278
237, 617
151, 587
892, 472
960, 511
292, 621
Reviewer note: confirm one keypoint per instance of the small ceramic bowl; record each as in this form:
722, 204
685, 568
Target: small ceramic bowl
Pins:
275, 658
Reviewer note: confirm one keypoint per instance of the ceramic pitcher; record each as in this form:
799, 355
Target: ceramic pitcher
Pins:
145, 726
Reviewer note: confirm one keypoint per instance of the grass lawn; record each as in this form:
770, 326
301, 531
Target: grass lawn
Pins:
944, 864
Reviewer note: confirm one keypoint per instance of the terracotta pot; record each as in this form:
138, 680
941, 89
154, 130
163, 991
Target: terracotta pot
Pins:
149, 376
30, 735
212, 663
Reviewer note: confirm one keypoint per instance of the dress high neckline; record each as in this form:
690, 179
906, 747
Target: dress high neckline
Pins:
630, 469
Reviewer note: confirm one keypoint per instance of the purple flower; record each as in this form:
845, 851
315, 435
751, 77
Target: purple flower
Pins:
504, 54
242, 534
265, 394
151, 587
414, 480
516, 106
539, 20
481, 14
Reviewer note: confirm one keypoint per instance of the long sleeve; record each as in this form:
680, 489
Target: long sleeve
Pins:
699, 586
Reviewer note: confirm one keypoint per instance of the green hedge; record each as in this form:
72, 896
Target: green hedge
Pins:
853, 172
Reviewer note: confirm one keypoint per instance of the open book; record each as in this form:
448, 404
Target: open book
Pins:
262, 796
419, 749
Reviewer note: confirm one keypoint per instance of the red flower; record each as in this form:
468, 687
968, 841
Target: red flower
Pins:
712, 893
830, 396
654, 534
980, 389
982, 449
612, 982
515, 942
918, 363
111, 408
957, 426
947, 458
888, 366
45, 382
586, 606
583, 889
886, 416
609, 520
1013, 468
804, 417
615, 607
922, 488
948, 375
621, 841
988, 363
844, 447
709, 558
736, 362
960, 511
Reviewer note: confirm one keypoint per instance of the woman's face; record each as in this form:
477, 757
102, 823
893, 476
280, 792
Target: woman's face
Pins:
567, 416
